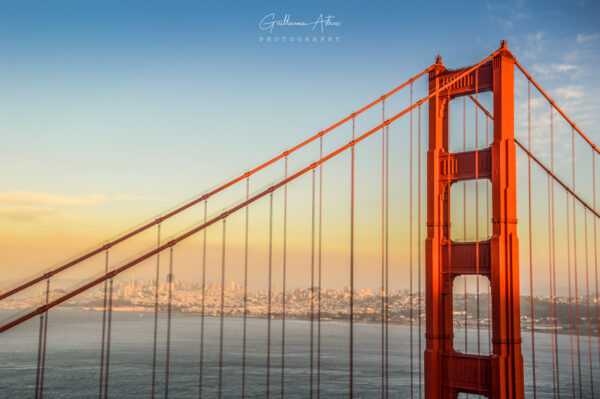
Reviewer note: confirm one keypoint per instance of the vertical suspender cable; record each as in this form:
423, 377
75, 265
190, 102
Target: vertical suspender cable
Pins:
351, 371
419, 247
312, 284
387, 287
104, 331
553, 303
39, 357
587, 289
477, 219
269, 293
575, 268
222, 310
596, 254
284, 281
156, 285
447, 234
465, 216
410, 246
202, 313
44, 339
570, 302
551, 242
319, 272
245, 294
108, 334
530, 247
383, 256
387, 268
552, 313
487, 227
169, 300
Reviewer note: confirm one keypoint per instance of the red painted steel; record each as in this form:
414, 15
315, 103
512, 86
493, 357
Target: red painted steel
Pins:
438, 296
466, 165
507, 361
464, 259
447, 372
468, 373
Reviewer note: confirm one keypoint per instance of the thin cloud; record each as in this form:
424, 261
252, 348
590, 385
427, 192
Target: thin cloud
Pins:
564, 67
36, 198
582, 38
26, 213
535, 44
551, 70
570, 92
506, 15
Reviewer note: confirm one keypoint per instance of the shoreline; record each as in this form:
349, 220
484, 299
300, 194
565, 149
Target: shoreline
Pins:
135, 309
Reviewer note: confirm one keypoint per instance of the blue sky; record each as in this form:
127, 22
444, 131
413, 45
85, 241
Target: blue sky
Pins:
166, 86
123, 109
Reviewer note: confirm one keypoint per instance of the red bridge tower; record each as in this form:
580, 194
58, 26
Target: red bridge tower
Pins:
447, 372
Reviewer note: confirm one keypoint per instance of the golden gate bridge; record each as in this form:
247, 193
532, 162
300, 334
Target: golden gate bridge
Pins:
440, 370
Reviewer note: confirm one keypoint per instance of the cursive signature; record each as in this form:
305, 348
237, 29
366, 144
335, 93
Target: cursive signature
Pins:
268, 22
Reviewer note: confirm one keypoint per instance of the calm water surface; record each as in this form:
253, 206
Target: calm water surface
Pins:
73, 358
